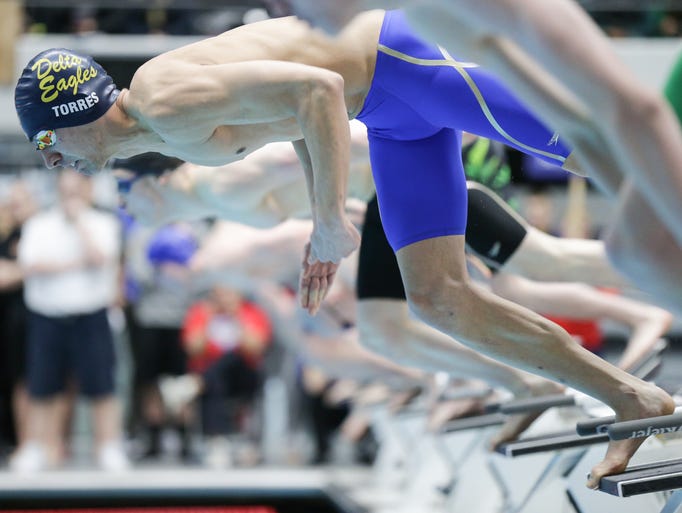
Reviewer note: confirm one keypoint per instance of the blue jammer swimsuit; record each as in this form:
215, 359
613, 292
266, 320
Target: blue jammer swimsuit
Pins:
420, 101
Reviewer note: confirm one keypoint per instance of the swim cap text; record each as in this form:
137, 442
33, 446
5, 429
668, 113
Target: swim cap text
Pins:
79, 105
45, 72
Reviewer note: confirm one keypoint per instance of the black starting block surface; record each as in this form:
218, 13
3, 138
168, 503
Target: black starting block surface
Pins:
478, 421
553, 442
532, 404
640, 479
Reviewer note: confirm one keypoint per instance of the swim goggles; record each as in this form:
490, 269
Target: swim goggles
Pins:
45, 139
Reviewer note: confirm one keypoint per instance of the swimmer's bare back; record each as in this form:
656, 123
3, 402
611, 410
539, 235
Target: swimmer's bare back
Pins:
217, 100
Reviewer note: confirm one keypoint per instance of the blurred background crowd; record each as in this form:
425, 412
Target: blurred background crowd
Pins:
99, 308
210, 18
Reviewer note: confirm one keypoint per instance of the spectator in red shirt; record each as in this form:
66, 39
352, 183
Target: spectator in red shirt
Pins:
225, 337
225, 323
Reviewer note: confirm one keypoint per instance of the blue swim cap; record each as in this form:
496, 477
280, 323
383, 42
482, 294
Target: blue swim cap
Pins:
60, 88
171, 244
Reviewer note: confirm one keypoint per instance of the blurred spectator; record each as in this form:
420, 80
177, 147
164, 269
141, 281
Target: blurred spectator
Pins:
86, 19
55, 20
277, 8
19, 207
226, 338
156, 262
664, 24
146, 21
69, 255
622, 23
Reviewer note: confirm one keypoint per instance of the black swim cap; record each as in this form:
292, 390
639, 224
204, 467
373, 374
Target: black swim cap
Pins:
61, 88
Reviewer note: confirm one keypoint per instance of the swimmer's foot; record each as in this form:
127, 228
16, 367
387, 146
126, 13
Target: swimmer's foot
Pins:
517, 424
649, 401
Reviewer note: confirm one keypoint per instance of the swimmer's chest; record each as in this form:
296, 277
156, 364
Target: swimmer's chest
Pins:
229, 143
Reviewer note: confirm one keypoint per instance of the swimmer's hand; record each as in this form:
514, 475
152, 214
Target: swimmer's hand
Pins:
321, 260
316, 280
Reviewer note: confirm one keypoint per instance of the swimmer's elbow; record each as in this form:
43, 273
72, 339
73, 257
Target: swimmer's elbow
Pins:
324, 89
331, 86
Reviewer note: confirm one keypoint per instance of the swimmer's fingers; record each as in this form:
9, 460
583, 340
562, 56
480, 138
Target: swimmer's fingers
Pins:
330, 274
310, 286
323, 277
316, 279
304, 283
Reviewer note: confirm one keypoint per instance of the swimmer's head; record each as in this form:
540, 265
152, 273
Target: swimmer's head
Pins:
60, 88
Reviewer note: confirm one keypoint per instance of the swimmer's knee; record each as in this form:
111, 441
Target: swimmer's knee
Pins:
440, 304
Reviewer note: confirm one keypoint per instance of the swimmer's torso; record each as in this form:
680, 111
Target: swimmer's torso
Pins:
198, 138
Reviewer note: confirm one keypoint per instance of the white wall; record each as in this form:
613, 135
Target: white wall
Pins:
650, 59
